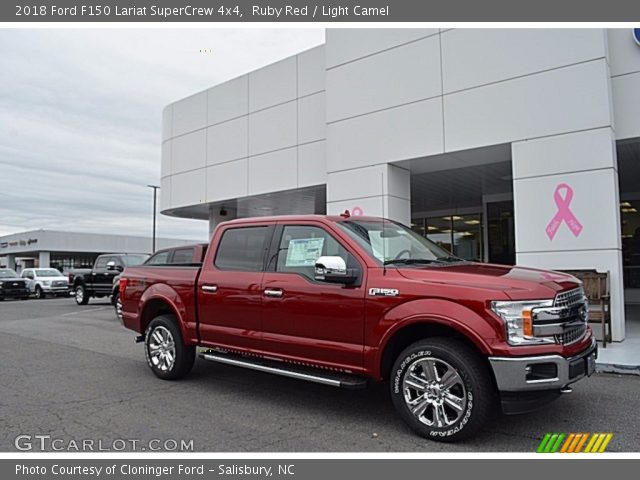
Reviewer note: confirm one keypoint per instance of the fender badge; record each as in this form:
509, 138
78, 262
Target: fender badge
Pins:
384, 292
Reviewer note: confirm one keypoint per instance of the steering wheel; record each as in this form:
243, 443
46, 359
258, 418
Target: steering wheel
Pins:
403, 252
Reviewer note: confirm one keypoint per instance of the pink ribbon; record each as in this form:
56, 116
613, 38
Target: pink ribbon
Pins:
564, 213
357, 211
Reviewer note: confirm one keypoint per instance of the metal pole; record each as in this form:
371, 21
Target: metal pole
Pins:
155, 189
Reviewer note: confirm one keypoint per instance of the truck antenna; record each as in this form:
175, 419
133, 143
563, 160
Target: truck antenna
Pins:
384, 247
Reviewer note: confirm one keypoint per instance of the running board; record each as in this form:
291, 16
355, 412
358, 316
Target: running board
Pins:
334, 379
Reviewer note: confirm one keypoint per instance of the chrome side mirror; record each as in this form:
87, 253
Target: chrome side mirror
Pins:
111, 265
334, 270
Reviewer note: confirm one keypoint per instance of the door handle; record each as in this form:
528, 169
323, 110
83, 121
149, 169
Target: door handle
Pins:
273, 292
209, 288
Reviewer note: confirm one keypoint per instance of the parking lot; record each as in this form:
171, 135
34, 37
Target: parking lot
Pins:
75, 373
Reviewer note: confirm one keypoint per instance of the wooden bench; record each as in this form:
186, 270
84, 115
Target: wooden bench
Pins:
597, 290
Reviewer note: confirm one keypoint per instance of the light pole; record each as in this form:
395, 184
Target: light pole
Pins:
155, 202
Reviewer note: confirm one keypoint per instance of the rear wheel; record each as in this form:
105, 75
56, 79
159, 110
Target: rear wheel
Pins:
442, 389
167, 356
81, 295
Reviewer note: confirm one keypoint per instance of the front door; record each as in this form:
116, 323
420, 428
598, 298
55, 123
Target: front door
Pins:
312, 321
229, 288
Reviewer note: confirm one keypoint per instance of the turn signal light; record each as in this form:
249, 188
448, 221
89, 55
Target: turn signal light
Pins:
123, 288
527, 324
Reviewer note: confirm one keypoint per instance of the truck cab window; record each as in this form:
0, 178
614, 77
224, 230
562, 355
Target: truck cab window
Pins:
160, 258
301, 246
182, 256
101, 262
242, 249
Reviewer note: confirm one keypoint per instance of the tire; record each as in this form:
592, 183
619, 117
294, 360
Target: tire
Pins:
163, 338
416, 386
39, 293
81, 295
114, 298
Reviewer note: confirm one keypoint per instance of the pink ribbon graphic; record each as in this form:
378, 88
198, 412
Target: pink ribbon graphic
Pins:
564, 213
357, 212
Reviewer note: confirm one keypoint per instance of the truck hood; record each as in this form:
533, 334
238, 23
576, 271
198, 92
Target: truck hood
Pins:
519, 283
52, 279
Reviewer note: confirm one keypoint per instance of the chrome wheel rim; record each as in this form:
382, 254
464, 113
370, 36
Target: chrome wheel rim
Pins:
434, 392
79, 294
118, 307
38, 293
162, 349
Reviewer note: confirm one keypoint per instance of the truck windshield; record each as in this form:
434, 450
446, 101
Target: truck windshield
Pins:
8, 273
49, 272
392, 243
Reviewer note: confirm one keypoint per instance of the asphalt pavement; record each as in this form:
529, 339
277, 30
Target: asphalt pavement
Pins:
73, 373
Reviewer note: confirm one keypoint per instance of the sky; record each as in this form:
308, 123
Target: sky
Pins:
81, 111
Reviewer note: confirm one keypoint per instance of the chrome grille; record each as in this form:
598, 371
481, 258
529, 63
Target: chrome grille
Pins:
569, 298
571, 335
60, 283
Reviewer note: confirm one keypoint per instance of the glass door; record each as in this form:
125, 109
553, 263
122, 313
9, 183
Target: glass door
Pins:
500, 233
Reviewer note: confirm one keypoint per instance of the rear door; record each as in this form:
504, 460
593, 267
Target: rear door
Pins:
310, 320
229, 287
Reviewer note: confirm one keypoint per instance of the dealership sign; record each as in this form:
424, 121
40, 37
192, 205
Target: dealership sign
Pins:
636, 35
18, 243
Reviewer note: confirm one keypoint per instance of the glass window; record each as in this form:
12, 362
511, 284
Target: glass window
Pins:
242, 249
102, 262
182, 256
133, 260
160, 258
390, 242
301, 246
630, 219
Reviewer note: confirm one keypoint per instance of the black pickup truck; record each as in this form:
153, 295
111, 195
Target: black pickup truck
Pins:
98, 281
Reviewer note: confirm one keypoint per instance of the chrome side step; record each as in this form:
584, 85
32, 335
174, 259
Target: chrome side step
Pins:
332, 379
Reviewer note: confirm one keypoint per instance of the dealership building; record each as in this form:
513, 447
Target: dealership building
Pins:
507, 146
65, 250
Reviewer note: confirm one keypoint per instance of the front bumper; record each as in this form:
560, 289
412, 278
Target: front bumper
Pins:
14, 293
57, 289
544, 372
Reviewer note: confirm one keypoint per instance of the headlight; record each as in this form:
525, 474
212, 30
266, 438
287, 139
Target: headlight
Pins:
1, 284
46, 282
518, 321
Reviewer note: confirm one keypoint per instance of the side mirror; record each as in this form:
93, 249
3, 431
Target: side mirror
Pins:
111, 266
334, 270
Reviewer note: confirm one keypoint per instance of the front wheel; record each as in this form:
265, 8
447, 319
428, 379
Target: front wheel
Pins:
167, 356
442, 389
39, 292
81, 295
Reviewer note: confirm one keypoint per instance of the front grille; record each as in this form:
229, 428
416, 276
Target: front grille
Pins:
60, 283
13, 285
571, 335
569, 298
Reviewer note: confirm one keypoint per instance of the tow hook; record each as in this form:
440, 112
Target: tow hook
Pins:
140, 339
566, 390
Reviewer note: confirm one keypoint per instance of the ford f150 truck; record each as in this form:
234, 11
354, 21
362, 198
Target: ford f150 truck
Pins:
98, 281
341, 300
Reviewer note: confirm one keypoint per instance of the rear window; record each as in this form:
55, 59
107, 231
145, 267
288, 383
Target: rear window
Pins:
182, 256
242, 249
160, 258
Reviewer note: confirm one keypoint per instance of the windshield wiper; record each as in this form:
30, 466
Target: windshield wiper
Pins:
411, 261
451, 258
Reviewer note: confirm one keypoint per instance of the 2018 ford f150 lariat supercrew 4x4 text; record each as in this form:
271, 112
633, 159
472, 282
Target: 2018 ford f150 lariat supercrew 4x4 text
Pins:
341, 300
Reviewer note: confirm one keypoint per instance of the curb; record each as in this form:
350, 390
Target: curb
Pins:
618, 368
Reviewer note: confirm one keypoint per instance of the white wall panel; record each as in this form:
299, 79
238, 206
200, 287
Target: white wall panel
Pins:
624, 52
626, 104
474, 57
273, 84
312, 164
394, 77
190, 114
189, 151
311, 118
273, 128
188, 188
228, 141
347, 44
549, 103
311, 72
228, 100
410, 131
273, 172
227, 180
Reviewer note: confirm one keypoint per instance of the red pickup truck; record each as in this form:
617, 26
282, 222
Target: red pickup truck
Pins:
342, 300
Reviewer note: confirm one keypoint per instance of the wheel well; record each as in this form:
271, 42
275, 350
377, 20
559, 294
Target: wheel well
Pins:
412, 333
152, 309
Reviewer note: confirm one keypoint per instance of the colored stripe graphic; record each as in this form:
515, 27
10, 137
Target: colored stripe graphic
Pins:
574, 442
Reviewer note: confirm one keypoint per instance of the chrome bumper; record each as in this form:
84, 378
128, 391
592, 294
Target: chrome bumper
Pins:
545, 372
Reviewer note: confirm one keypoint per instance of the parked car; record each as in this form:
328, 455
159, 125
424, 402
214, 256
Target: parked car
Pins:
11, 285
45, 281
341, 300
182, 255
98, 281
